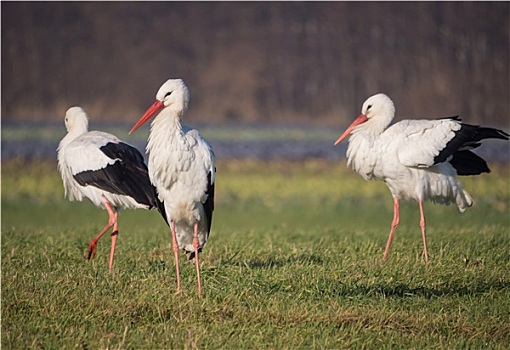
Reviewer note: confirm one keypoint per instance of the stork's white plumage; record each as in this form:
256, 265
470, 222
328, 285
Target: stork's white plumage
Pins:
417, 159
181, 166
111, 173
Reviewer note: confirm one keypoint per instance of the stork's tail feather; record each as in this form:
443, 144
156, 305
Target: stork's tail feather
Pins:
464, 200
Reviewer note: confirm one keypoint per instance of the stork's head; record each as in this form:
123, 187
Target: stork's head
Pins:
76, 120
376, 107
172, 95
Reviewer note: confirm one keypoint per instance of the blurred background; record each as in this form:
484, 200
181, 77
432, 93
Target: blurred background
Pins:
261, 74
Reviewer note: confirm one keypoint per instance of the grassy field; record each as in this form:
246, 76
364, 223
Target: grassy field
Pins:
293, 261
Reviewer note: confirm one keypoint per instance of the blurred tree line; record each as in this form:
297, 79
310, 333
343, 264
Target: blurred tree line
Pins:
304, 62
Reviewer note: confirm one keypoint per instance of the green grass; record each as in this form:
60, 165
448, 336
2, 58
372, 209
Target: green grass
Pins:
293, 261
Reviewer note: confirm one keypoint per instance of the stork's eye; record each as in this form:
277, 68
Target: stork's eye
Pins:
368, 107
168, 93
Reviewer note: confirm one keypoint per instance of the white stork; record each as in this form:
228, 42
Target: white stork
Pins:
112, 174
181, 166
417, 159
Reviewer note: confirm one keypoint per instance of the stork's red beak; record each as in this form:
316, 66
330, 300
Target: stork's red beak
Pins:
360, 120
153, 109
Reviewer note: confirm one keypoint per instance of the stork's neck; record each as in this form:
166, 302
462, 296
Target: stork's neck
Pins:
166, 129
72, 134
375, 126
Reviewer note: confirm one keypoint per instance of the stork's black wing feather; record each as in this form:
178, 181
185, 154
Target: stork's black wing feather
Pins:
467, 138
468, 163
209, 202
128, 175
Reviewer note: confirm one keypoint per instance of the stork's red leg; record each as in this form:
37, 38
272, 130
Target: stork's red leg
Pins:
197, 264
423, 231
394, 225
175, 248
112, 218
114, 235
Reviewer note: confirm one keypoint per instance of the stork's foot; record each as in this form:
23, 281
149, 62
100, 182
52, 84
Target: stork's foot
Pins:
92, 249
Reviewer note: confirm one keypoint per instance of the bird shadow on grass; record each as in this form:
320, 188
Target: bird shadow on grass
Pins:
401, 290
276, 261
338, 288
